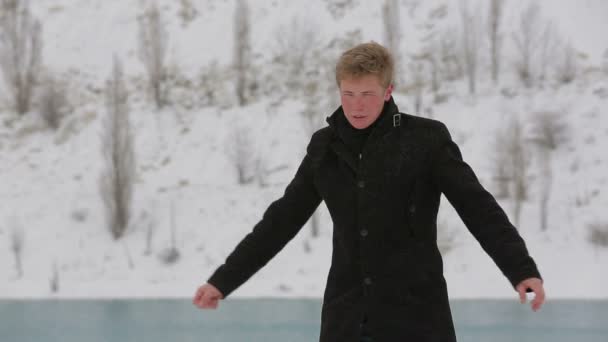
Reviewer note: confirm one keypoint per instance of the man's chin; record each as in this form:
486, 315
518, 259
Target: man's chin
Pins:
360, 123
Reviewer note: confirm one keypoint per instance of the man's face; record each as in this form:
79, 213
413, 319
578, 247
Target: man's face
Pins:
362, 99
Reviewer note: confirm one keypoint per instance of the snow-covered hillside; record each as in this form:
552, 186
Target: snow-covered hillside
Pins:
186, 178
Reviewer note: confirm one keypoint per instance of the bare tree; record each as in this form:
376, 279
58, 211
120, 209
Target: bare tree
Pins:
54, 280
296, 49
450, 60
520, 163
150, 230
502, 166
605, 61
313, 113
550, 44
567, 68
116, 182
242, 154
17, 244
598, 234
171, 255
549, 131
392, 32
528, 40
546, 181
496, 39
20, 51
417, 85
187, 11
512, 164
53, 101
242, 50
152, 51
470, 43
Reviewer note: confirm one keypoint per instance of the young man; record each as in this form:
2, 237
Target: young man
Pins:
381, 174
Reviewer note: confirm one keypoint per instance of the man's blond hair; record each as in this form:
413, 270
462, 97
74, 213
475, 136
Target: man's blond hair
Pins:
366, 59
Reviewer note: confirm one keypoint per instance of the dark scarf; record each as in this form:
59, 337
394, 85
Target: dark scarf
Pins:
355, 138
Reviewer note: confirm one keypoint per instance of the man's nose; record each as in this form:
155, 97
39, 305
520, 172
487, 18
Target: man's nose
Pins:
359, 101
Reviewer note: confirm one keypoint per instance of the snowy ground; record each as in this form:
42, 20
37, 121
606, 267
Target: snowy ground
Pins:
49, 190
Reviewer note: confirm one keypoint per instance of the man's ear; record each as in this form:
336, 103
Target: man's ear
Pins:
388, 92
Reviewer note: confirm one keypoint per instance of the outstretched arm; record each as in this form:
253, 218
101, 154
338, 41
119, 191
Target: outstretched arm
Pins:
281, 222
482, 215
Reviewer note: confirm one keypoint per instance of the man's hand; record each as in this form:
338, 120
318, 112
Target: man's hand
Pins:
536, 285
207, 297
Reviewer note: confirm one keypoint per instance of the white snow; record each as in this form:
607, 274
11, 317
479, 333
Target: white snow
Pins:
49, 179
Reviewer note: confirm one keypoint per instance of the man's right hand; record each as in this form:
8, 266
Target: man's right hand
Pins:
207, 297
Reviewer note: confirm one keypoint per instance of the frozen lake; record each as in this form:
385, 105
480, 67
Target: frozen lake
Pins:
268, 320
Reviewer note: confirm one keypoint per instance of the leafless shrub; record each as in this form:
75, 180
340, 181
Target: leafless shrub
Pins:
17, 244
171, 254
512, 164
548, 132
567, 68
151, 226
242, 50
80, 215
471, 34
152, 51
526, 40
296, 48
187, 11
549, 129
392, 33
547, 50
214, 89
598, 234
535, 41
242, 154
417, 85
53, 101
450, 59
338, 8
430, 57
495, 36
312, 111
545, 181
128, 256
20, 51
605, 62
502, 175
54, 280
520, 164
116, 182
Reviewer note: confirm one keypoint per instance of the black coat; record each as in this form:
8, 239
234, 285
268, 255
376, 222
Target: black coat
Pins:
385, 261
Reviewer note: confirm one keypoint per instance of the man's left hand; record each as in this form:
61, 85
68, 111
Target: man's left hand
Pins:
536, 285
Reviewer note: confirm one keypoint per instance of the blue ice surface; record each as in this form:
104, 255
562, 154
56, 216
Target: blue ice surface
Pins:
269, 320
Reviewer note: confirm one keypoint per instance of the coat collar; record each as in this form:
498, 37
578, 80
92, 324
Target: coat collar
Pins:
389, 119
389, 123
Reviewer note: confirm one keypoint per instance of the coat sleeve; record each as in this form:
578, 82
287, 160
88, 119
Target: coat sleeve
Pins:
480, 212
281, 221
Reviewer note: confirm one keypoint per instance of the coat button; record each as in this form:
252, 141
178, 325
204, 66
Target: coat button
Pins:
361, 184
367, 281
363, 232
412, 208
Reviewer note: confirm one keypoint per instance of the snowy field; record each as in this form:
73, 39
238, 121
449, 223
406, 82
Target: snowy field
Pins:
186, 178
